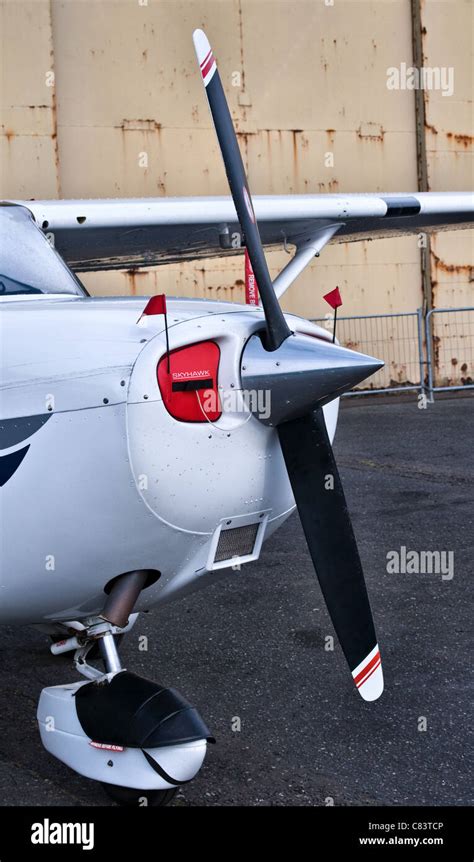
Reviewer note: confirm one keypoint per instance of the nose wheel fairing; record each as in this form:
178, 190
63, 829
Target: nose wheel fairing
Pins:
154, 767
134, 712
121, 729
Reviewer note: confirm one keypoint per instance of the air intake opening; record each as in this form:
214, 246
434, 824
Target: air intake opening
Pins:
236, 542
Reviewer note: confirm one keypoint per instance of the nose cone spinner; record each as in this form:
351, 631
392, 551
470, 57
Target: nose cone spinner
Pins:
304, 373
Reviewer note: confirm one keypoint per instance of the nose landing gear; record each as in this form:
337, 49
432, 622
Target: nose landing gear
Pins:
139, 739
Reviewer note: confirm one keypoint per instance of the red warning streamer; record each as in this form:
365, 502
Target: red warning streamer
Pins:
251, 286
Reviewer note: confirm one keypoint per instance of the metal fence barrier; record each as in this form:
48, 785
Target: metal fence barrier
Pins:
400, 340
450, 343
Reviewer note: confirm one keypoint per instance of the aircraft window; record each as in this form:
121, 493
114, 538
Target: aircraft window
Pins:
28, 262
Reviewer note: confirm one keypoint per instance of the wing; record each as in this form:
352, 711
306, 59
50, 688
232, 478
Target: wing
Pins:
121, 234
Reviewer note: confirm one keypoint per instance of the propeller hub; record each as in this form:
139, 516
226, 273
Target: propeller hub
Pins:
303, 373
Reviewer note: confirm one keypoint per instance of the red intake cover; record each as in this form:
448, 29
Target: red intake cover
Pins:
189, 391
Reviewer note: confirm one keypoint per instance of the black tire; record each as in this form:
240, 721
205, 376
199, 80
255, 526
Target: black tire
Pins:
133, 798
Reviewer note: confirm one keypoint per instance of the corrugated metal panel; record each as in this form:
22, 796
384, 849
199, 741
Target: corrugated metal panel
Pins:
132, 87
312, 83
128, 87
298, 99
28, 142
317, 85
447, 47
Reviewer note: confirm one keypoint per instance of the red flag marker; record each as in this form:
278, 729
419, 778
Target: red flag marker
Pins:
251, 286
333, 298
157, 305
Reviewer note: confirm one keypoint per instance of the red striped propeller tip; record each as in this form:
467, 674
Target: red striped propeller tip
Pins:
206, 61
368, 675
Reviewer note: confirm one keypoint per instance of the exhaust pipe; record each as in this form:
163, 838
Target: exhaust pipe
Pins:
123, 593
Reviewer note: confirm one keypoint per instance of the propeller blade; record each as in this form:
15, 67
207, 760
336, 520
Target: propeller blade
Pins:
304, 440
327, 526
277, 327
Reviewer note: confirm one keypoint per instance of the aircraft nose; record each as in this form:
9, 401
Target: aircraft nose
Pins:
304, 373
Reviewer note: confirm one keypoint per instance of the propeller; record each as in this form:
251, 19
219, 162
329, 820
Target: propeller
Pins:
302, 373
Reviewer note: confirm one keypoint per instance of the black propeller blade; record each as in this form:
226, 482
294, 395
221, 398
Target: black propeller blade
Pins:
327, 526
304, 439
277, 327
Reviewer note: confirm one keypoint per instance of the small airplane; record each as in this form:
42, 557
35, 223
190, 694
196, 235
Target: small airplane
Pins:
138, 461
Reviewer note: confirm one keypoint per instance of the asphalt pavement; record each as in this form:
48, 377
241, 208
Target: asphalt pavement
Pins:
250, 652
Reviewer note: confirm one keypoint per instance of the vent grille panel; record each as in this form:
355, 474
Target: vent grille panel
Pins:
238, 542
